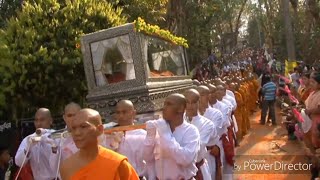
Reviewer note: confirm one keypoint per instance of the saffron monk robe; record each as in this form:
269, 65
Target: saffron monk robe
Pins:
66, 145
208, 134
248, 104
252, 91
245, 116
129, 143
93, 161
174, 150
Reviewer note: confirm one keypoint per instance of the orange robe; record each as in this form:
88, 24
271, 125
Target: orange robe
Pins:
238, 114
250, 103
108, 165
244, 110
247, 103
254, 95
256, 88
249, 92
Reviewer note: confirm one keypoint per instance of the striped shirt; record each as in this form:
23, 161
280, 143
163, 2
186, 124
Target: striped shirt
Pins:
269, 91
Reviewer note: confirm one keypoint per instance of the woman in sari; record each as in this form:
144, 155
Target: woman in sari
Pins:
313, 108
313, 111
304, 90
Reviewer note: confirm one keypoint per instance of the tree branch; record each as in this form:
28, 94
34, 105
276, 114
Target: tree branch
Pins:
239, 16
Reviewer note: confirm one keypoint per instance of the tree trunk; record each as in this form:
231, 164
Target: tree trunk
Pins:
238, 21
314, 9
175, 16
306, 37
289, 32
269, 28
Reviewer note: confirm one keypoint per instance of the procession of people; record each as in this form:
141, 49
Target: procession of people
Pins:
196, 137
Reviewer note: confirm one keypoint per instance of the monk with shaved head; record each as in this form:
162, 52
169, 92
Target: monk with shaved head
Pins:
213, 95
196, 82
70, 111
225, 129
128, 143
66, 144
208, 135
178, 142
36, 151
218, 118
204, 93
42, 118
125, 113
93, 161
221, 92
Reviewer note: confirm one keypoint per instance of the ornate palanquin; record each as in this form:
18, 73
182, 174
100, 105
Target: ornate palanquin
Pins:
122, 63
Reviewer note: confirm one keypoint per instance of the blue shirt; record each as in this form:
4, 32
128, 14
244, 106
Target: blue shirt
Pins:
269, 90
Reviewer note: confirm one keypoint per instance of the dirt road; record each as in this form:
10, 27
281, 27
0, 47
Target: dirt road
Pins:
266, 144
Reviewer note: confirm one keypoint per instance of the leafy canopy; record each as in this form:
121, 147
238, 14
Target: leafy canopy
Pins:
40, 62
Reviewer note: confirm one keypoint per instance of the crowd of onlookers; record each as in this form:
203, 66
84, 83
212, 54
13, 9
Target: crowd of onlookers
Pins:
300, 92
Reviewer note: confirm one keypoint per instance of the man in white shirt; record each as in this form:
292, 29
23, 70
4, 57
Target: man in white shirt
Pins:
67, 144
37, 150
223, 108
232, 104
229, 92
207, 130
216, 154
295, 76
130, 141
228, 147
174, 150
229, 95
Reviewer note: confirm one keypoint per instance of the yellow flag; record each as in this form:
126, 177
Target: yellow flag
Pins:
290, 65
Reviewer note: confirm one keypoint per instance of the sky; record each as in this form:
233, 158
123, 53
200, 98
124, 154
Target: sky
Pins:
243, 28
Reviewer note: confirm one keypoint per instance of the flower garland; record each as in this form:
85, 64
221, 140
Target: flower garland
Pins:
141, 25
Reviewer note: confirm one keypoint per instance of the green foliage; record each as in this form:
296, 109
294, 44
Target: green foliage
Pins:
8, 9
153, 11
255, 39
40, 60
201, 29
305, 28
202, 23
141, 25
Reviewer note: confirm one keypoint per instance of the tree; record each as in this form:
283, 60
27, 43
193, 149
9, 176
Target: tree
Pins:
153, 11
8, 9
201, 22
289, 31
41, 59
255, 36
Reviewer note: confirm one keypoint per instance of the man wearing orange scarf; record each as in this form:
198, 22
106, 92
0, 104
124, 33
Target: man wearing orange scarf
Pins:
93, 161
